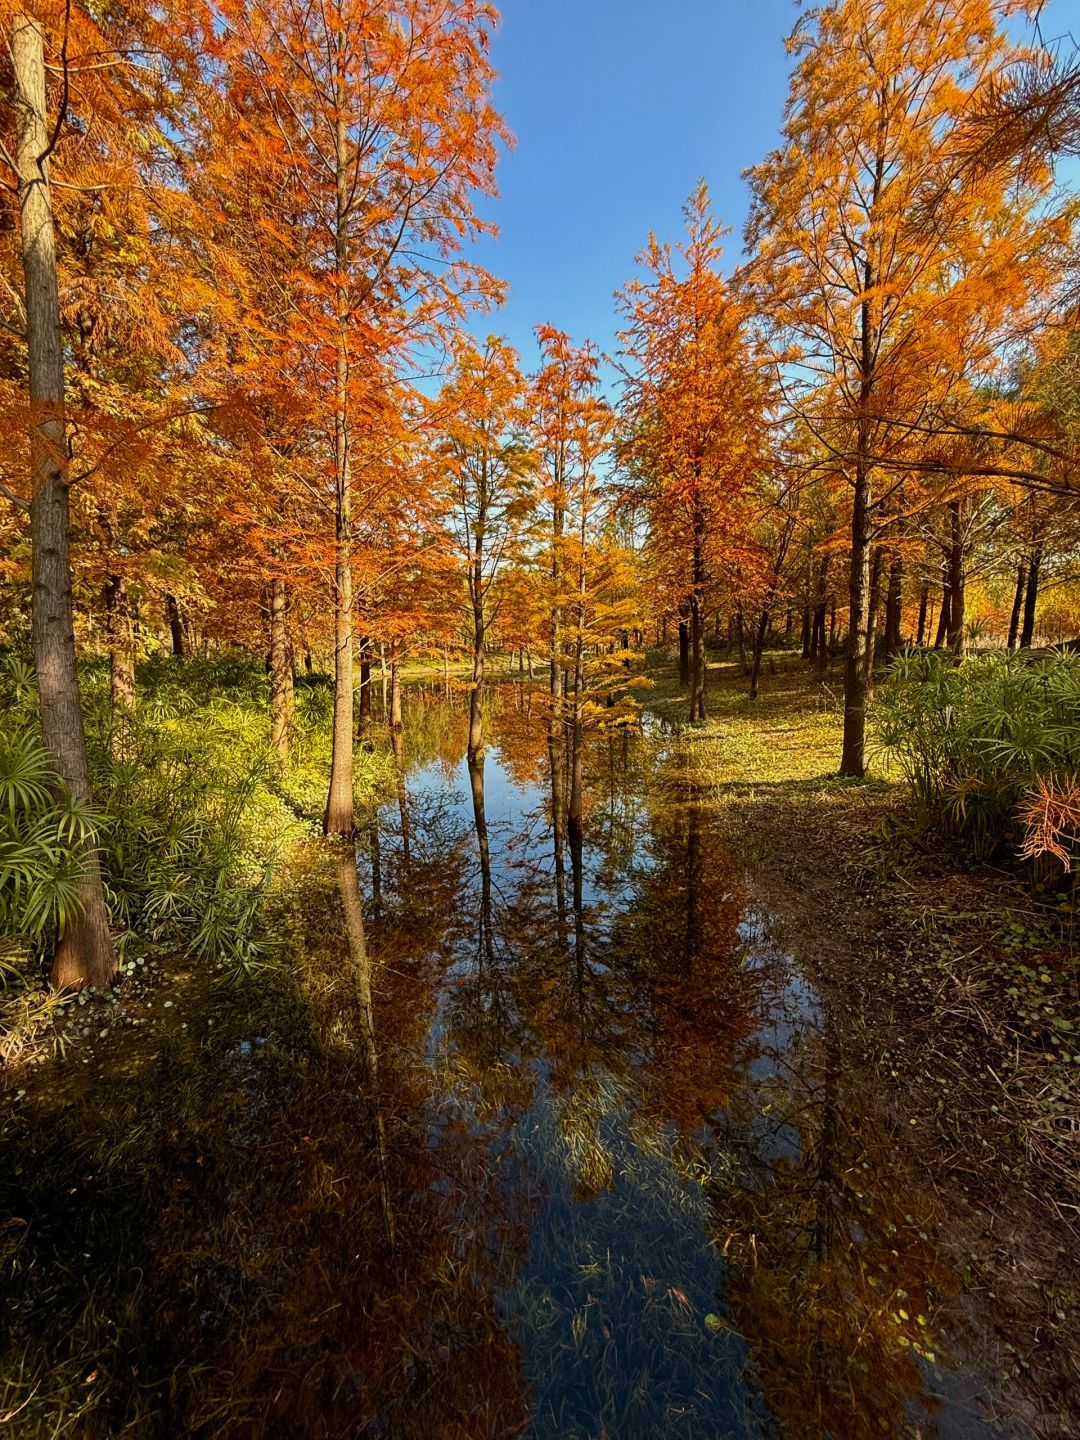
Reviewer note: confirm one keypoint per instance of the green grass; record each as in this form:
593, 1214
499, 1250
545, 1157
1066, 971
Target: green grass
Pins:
790, 734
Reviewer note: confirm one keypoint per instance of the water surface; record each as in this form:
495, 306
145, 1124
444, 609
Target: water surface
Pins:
532, 1133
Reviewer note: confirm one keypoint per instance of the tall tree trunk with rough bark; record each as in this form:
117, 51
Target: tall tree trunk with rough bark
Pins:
946, 607
395, 690
84, 951
176, 627
1027, 635
894, 608
1017, 606
281, 675
121, 640
819, 642
957, 578
479, 618
697, 618
684, 652
557, 521
877, 565
339, 818
924, 602
853, 756
365, 681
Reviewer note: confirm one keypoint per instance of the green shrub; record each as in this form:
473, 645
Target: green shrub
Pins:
186, 849
191, 808
974, 739
43, 836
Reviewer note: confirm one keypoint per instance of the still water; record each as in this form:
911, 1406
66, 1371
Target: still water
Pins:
532, 1132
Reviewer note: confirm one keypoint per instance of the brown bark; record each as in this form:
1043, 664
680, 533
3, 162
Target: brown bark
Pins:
176, 627
957, 579
1017, 606
684, 652
946, 607
924, 603
121, 640
877, 565
853, 756
281, 675
395, 690
894, 608
819, 643
365, 680
697, 618
84, 952
1027, 635
558, 684
339, 818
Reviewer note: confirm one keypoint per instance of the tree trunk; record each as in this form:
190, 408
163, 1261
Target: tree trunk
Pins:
877, 564
684, 653
894, 609
946, 607
339, 818
924, 602
759, 646
1027, 635
121, 646
476, 695
853, 756
770, 601
176, 627
395, 690
697, 619
556, 678
365, 681
479, 620
84, 952
1017, 606
281, 675
956, 579
819, 645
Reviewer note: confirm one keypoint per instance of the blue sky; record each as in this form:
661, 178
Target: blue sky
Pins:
619, 106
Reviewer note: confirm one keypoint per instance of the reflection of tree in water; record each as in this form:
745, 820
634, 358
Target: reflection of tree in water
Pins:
677, 954
358, 972
834, 1278
475, 1163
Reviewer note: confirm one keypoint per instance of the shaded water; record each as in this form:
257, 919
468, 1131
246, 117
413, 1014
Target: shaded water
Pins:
535, 1133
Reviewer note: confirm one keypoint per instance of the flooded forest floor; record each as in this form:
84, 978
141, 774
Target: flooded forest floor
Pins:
740, 1114
955, 991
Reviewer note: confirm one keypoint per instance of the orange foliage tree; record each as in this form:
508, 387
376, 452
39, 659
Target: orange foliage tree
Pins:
372, 132
895, 281
695, 410
488, 472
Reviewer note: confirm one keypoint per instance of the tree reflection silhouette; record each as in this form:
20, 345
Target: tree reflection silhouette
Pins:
545, 1136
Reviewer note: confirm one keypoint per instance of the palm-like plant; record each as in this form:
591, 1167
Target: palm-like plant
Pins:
44, 834
976, 740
